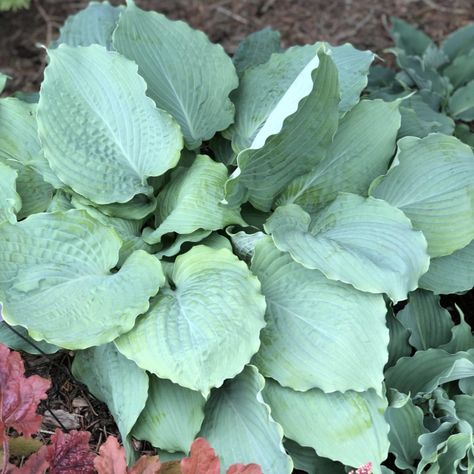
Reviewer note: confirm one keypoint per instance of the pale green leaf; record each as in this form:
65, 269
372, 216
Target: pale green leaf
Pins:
187, 75
362, 149
462, 337
175, 247
459, 41
244, 243
408, 38
432, 182
116, 381
428, 322
101, 134
346, 240
337, 334
192, 201
346, 427
62, 288
10, 201
17, 338
457, 447
238, 425
461, 103
92, 25
398, 341
205, 329
256, 49
172, 416
292, 128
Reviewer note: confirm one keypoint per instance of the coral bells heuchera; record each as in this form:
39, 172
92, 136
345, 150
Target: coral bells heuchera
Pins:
365, 469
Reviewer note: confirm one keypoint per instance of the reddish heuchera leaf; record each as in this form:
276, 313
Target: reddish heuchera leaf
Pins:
244, 469
365, 469
202, 459
111, 459
146, 465
35, 464
19, 396
70, 453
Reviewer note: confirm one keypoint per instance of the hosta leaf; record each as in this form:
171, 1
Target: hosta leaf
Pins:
462, 337
207, 328
19, 340
180, 241
118, 382
459, 41
93, 25
457, 447
62, 289
398, 339
3, 80
170, 56
172, 416
112, 138
289, 133
426, 370
256, 49
433, 184
461, 103
428, 322
222, 150
10, 201
465, 408
244, 243
350, 426
463, 132
239, 426
408, 38
362, 149
191, 201
319, 319
461, 70
346, 239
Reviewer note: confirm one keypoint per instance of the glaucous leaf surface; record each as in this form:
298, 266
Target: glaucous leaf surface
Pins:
101, 134
287, 131
461, 103
432, 182
346, 240
181, 240
319, 319
361, 150
93, 25
192, 201
204, 326
118, 382
398, 345
351, 425
170, 56
172, 416
10, 201
64, 279
239, 426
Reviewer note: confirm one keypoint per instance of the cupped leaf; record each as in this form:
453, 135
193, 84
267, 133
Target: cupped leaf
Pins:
207, 328
170, 56
461, 103
62, 289
10, 201
292, 129
192, 201
239, 426
101, 134
428, 322
93, 25
346, 240
172, 416
433, 184
361, 150
118, 382
347, 427
319, 319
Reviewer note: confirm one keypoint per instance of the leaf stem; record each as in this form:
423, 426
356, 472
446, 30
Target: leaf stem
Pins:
6, 454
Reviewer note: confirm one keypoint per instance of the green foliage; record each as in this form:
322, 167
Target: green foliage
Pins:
223, 242
14, 4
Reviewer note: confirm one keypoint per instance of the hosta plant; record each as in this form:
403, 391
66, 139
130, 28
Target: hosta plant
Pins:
223, 242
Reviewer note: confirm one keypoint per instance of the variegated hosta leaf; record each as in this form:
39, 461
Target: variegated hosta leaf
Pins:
192, 201
432, 182
287, 131
93, 25
238, 425
348, 427
428, 322
118, 382
347, 239
62, 289
172, 416
170, 56
461, 103
10, 201
101, 134
205, 327
426, 370
337, 334
361, 150
452, 273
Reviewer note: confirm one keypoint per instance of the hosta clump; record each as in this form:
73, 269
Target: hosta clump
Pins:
223, 242
442, 77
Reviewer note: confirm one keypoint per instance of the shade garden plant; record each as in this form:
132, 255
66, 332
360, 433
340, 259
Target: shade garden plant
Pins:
249, 250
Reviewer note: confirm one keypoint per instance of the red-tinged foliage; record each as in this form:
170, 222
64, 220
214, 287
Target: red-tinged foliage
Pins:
146, 465
202, 459
365, 469
244, 469
35, 464
19, 396
70, 453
